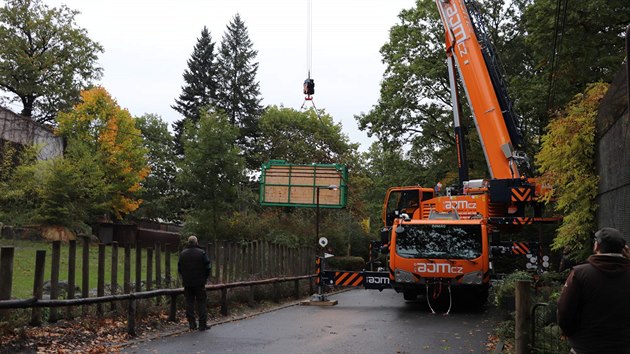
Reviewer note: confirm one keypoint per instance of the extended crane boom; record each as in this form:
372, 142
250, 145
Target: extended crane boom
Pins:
477, 66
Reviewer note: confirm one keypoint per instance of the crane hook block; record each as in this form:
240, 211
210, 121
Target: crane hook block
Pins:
309, 86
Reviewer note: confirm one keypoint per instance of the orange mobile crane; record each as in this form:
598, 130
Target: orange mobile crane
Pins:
445, 241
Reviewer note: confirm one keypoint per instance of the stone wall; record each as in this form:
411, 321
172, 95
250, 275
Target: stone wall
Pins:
25, 131
613, 157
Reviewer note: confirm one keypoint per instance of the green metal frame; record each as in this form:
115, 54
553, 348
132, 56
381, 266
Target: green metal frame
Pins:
343, 187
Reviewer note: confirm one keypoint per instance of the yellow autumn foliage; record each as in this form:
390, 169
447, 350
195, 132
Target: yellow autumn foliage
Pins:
567, 162
110, 130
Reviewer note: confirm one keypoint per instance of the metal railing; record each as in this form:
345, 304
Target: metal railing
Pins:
132, 298
546, 334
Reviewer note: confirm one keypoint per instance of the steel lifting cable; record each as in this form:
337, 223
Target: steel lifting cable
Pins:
309, 37
309, 83
556, 47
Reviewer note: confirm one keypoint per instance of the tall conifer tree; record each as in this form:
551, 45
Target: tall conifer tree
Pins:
239, 92
200, 88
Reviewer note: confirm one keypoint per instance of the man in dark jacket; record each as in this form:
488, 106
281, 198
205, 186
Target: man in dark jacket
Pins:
594, 307
194, 267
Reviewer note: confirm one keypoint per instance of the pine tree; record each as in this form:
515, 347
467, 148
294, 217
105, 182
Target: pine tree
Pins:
200, 89
239, 92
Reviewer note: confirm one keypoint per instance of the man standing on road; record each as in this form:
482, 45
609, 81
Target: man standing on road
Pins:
194, 267
594, 307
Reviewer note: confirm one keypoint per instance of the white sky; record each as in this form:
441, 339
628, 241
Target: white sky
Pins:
147, 44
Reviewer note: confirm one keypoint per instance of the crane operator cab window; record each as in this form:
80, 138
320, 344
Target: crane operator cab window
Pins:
309, 86
403, 201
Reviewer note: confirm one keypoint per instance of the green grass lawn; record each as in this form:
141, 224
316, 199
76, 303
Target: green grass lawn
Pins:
24, 265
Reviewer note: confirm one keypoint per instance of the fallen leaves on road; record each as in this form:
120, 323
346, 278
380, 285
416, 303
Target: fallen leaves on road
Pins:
90, 335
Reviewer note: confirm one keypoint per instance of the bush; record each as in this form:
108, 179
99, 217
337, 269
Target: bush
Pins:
504, 290
345, 263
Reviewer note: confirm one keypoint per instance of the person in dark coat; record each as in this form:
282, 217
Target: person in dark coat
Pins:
194, 267
594, 306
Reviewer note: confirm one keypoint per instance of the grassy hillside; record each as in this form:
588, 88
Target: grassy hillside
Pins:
24, 265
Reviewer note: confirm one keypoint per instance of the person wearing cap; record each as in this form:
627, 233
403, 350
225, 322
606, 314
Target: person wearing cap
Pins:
594, 306
194, 268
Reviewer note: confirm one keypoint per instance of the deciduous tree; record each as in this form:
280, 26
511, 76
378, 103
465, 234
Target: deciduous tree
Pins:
159, 192
567, 162
110, 132
45, 58
211, 171
302, 137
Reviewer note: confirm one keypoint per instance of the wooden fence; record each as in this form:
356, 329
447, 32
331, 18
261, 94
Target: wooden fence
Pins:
231, 262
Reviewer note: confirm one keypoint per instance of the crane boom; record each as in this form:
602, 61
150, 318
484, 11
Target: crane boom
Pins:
499, 146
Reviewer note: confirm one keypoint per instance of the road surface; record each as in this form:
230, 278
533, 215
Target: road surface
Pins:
363, 322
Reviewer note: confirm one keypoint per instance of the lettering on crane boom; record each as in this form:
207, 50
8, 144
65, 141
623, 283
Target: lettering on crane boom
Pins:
456, 25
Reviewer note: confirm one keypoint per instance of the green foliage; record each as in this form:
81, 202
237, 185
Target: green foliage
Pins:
19, 196
159, 192
567, 162
45, 58
11, 156
239, 92
73, 190
345, 263
98, 126
200, 85
414, 90
507, 286
414, 108
590, 49
301, 137
66, 191
210, 174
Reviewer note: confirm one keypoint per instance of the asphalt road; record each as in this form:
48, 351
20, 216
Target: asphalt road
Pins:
363, 322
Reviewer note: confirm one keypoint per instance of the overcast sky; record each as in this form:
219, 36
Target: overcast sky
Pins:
147, 44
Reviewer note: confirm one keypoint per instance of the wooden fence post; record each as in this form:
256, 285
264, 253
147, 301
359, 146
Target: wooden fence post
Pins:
247, 269
296, 288
229, 263
38, 286
72, 262
6, 276
244, 261
225, 274
264, 268
210, 251
172, 315
138, 267
224, 303
523, 316
85, 277
100, 283
275, 259
276, 292
54, 279
131, 317
167, 266
250, 297
114, 274
253, 263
